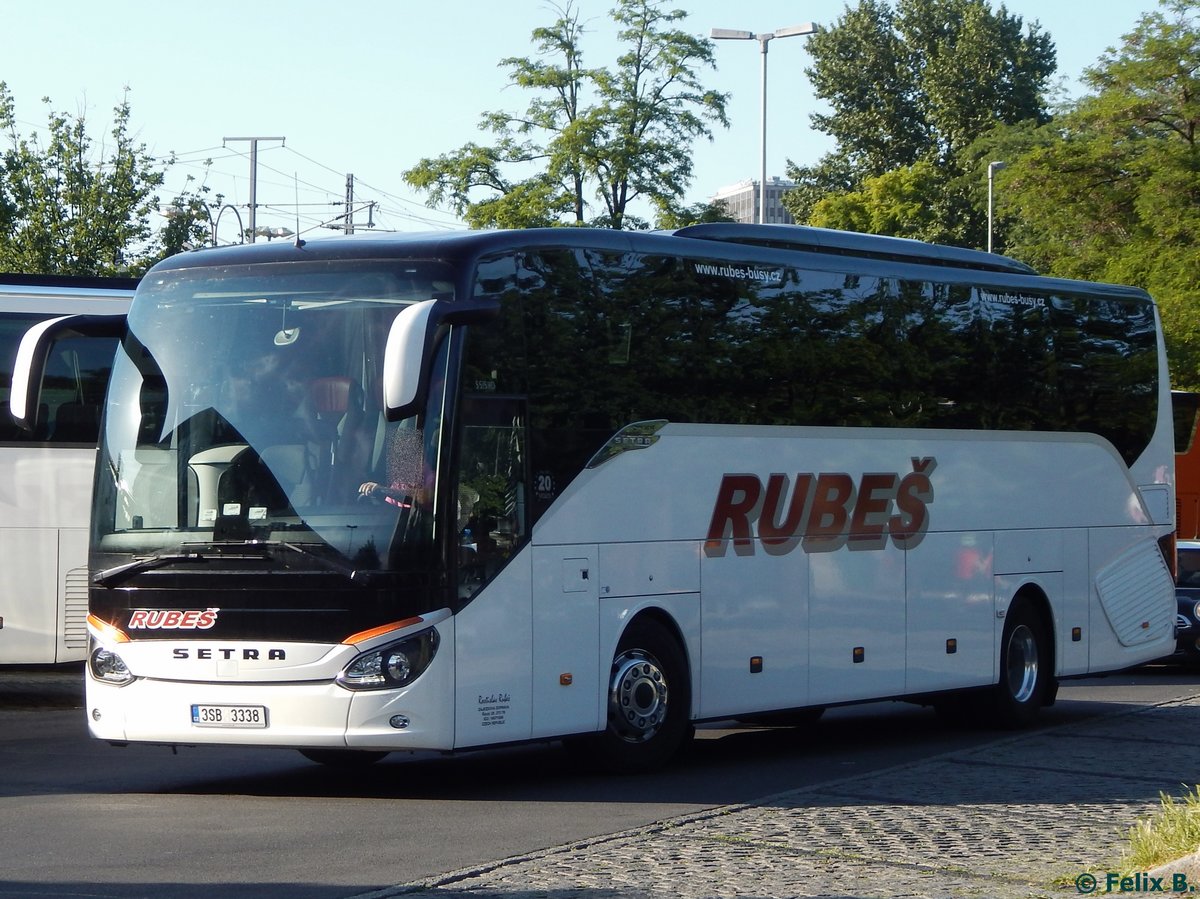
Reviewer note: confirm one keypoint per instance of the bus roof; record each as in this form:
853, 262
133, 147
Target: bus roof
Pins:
463, 246
60, 285
850, 243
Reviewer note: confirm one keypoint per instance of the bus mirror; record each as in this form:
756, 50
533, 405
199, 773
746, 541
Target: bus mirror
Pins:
408, 345
35, 349
404, 359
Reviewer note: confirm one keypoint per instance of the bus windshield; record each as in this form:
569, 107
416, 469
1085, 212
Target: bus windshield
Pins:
245, 410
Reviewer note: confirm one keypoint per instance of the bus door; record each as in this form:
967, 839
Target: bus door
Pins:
490, 497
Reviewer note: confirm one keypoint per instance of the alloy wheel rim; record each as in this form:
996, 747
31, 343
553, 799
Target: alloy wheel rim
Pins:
1022, 663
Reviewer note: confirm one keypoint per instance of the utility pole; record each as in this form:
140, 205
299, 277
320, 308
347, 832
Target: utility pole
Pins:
253, 172
345, 221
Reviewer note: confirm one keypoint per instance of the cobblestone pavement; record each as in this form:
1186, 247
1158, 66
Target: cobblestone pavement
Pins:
1021, 817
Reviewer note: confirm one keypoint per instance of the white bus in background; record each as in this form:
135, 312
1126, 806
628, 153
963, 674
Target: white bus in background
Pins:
460, 490
46, 472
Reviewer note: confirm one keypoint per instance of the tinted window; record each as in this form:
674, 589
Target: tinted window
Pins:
554, 343
1188, 567
73, 385
599, 340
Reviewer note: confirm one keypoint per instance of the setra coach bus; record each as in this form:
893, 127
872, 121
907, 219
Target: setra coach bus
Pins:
46, 469
451, 491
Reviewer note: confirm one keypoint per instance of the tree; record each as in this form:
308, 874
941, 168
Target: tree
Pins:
590, 139
896, 202
701, 213
68, 208
190, 223
1110, 190
912, 88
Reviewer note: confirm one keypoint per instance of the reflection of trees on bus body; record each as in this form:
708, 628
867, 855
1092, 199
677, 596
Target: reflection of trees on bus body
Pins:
597, 340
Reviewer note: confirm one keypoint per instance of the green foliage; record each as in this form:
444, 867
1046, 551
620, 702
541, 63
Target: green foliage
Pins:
1172, 833
896, 202
863, 69
591, 141
674, 216
190, 221
910, 89
67, 208
1110, 190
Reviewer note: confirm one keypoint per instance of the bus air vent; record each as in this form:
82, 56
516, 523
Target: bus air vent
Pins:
75, 608
1137, 595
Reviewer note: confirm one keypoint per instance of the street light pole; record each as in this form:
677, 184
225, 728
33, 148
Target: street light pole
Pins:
993, 167
763, 39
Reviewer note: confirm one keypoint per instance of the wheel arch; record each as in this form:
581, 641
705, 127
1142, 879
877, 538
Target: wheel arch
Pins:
1033, 595
649, 667
670, 623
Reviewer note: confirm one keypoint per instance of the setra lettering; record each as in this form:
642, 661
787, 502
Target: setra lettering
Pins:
246, 654
821, 512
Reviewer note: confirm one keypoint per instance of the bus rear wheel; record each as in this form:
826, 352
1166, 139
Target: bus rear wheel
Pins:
649, 700
1026, 668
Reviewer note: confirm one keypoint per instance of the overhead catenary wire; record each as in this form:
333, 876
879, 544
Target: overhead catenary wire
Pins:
388, 206
372, 187
202, 167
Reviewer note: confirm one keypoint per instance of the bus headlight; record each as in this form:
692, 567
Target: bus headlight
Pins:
108, 667
395, 665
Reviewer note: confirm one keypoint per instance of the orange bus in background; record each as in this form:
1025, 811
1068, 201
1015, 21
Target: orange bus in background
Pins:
1187, 465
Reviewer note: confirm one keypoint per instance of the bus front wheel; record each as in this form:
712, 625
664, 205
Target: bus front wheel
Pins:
649, 700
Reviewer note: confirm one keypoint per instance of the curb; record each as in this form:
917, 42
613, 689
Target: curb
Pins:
1020, 816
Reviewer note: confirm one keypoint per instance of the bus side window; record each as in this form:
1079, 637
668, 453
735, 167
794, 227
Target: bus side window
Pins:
491, 490
12, 327
73, 386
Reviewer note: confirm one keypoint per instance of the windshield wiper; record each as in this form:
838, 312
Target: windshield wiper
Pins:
354, 575
110, 577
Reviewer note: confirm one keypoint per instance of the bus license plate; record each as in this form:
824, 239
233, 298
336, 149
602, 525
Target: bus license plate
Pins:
229, 716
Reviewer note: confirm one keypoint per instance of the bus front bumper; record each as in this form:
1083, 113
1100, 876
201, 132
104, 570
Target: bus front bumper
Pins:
300, 715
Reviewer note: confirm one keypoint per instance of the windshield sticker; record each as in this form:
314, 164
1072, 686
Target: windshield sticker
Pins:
826, 512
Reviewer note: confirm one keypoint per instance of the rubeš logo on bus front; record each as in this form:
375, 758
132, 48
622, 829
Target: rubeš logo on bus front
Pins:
823, 512
172, 619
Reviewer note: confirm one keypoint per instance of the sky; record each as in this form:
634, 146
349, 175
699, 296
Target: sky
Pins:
369, 87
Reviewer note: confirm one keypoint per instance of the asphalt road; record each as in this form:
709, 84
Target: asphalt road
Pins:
81, 818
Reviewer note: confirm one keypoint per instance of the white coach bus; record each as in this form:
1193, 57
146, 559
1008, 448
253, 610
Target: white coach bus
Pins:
453, 491
46, 471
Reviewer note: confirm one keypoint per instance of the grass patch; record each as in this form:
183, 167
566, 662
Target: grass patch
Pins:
1169, 834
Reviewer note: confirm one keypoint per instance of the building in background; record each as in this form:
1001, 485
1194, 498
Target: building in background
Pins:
741, 200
